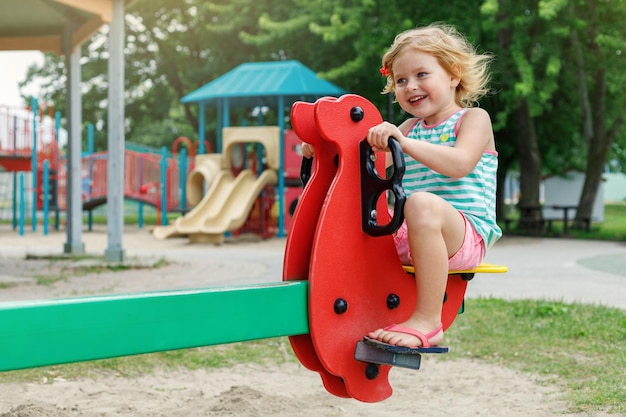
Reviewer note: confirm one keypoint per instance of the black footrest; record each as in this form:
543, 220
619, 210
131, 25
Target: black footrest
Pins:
369, 354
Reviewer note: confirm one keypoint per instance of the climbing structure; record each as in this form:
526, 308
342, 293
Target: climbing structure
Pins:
224, 196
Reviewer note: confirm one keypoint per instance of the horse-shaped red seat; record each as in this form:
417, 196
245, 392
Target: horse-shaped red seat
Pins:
356, 281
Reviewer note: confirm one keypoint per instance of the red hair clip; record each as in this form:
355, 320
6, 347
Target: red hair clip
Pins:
384, 71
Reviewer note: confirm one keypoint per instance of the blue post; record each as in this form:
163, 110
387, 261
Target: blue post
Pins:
182, 170
46, 195
57, 128
15, 200
140, 215
90, 150
22, 204
14, 175
201, 129
225, 123
281, 167
163, 186
219, 122
34, 108
90, 140
259, 116
90, 220
57, 124
140, 205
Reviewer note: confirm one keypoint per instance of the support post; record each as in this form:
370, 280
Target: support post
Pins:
34, 107
115, 161
46, 195
163, 186
74, 243
57, 165
201, 129
281, 169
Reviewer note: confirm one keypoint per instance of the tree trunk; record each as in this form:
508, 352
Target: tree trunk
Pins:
529, 157
598, 138
597, 152
530, 170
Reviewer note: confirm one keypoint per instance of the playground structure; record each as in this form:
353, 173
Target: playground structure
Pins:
259, 86
332, 292
28, 138
28, 141
233, 181
23, 131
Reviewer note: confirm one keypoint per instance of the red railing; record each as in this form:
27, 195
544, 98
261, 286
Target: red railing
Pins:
142, 180
16, 131
142, 170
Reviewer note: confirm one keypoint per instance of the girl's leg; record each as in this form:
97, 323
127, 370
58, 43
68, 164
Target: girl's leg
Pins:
435, 231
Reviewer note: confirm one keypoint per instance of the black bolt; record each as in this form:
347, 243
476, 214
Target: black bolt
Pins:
341, 306
371, 371
357, 114
393, 301
467, 276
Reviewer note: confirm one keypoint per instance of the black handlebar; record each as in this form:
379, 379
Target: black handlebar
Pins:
372, 186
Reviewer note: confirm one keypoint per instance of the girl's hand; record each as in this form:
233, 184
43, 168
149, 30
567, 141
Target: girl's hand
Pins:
378, 136
307, 150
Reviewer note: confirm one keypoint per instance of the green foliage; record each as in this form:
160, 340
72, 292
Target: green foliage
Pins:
175, 46
549, 9
581, 348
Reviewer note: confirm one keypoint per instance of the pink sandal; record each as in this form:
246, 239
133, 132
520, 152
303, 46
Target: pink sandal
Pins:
425, 348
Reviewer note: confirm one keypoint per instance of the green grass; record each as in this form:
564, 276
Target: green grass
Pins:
612, 228
579, 348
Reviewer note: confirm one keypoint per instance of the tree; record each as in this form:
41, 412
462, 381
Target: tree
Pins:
598, 43
550, 56
346, 39
172, 48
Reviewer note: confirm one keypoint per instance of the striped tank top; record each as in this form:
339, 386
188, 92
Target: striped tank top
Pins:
473, 195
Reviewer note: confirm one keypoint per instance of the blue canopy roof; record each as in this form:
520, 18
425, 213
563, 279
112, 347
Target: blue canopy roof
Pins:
261, 83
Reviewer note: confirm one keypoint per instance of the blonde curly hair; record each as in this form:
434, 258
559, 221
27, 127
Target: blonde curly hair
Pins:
456, 55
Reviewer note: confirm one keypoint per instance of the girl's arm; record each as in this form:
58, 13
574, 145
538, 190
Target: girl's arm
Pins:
474, 136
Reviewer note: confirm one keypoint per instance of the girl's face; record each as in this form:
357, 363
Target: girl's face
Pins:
423, 88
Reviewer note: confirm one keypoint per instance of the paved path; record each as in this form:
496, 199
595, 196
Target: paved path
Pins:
555, 269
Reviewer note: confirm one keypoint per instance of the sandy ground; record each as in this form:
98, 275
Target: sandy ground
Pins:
441, 388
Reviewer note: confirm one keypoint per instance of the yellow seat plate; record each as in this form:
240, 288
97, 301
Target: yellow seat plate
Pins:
483, 268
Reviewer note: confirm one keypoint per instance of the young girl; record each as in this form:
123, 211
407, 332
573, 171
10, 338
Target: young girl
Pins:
451, 162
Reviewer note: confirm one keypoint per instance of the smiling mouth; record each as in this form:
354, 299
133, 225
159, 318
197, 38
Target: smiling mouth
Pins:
416, 99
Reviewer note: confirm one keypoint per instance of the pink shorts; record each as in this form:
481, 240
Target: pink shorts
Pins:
469, 255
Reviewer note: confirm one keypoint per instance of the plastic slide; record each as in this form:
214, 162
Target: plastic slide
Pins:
228, 200
207, 168
225, 207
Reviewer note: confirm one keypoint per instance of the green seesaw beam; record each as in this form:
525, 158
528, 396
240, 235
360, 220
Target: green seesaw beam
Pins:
49, 332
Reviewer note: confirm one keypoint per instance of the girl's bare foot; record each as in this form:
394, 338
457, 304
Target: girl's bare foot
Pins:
408, 335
